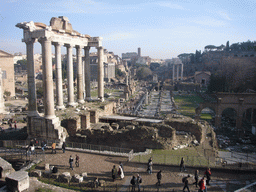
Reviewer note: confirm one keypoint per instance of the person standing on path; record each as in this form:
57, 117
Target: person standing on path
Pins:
71, 162
54, 147
182, 165
133, 183
120, 172
208, 176
185, 181
63, 147
77, 161
196, 177
202, 186
139, 181
150, 165
114, 172
159, 177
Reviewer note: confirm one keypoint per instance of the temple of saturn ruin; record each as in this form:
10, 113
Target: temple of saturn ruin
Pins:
59, 33
176, 63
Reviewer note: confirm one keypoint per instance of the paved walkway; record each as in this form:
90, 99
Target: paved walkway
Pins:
100, 166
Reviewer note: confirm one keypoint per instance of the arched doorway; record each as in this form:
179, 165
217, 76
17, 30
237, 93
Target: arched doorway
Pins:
228, 121
208, 114
249, 119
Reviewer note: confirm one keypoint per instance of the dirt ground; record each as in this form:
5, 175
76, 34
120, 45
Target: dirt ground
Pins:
100, 166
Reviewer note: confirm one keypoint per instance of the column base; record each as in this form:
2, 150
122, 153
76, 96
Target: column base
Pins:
101, 99
88, 99
49, 116
59, 108
72, 104
81, 101
33, 114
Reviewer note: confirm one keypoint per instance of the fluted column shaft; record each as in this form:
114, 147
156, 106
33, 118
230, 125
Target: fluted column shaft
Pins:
173, 73
70, 75
177, 72
87, 73
79, 75
48, 80
181, 72
100, 74
32, 104
59, 90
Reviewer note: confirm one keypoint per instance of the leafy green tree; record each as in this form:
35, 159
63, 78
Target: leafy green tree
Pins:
143, 73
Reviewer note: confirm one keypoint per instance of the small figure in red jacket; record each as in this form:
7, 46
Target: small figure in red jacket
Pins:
208, 176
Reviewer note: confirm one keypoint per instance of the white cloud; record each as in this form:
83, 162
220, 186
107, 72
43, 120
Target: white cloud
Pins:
208, 21
170, 5
224, 15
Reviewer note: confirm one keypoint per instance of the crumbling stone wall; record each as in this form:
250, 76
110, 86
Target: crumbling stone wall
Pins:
188, 125
73, 125
109, 108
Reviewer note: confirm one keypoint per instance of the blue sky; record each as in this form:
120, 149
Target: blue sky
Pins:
163, 29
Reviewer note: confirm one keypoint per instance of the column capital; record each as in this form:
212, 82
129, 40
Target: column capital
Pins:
28, 41
42, 39
57, 43
69, 45
99, 48
87, 48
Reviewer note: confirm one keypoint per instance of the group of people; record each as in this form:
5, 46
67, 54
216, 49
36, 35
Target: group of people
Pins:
71, 160
117, 173
136, 181
202, 184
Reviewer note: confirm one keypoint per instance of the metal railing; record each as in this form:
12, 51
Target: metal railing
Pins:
71, 145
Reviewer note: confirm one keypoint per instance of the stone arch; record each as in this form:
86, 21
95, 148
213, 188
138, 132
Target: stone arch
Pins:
227, 117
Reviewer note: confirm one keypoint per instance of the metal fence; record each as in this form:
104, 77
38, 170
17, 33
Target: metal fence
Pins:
72, 145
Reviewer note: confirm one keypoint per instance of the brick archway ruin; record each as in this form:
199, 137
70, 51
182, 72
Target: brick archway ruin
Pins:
240, 102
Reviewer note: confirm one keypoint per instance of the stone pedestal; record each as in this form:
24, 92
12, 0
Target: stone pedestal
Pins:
94, 116
5, 168
17, 181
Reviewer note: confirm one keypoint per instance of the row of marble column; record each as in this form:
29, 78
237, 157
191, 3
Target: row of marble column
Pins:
48, 88
177, 72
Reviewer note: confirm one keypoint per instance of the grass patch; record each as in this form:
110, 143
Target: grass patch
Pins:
206, 116
44, 190
187, 104
173, 157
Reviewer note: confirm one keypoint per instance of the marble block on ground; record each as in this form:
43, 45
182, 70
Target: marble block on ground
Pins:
17, 181
5, 168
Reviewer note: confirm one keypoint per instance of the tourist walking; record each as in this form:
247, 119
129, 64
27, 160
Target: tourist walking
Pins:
77, 161
208, 176
139, 181
202, 186
114, 172
182, 165
54, 147
71, 162
121, 164
159, 177
196, 177
150, 165
43, 145
120, 172
133, 183
63, 147
185, 181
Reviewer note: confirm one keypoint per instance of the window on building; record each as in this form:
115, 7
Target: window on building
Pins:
4, 75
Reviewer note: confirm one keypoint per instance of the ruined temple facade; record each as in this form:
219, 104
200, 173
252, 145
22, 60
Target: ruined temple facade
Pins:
59, 33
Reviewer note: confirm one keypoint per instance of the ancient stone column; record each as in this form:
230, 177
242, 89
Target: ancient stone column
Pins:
48, 80
177, 72
100, 74
181, 72
80, 98
70, 76
1, 94
87, 73
173, 73
59, 90
32, 105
